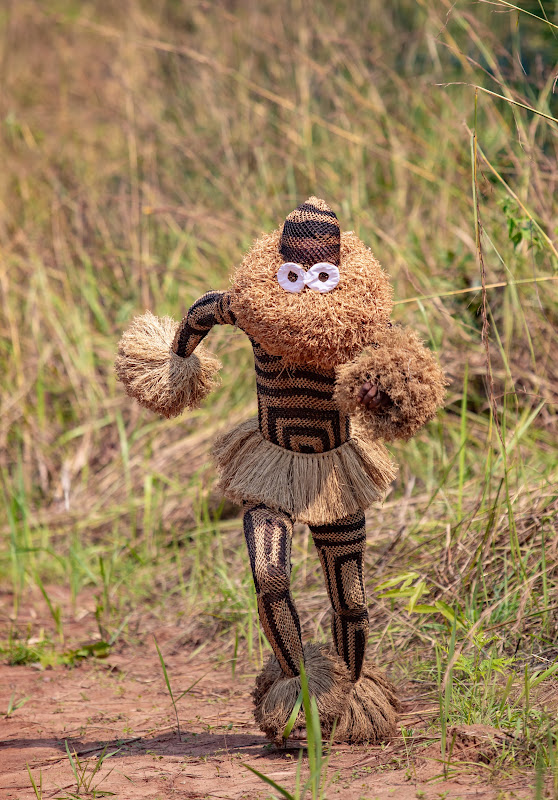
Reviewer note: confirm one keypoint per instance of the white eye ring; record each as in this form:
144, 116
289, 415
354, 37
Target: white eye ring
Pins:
285, 281
313, 281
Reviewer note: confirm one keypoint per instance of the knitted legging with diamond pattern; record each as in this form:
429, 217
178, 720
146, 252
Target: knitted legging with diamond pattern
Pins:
341, 548
268, 536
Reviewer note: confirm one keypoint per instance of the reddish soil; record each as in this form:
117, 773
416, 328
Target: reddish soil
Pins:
122, 703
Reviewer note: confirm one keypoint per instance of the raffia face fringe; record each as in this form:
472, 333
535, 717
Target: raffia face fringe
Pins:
315, 488
155, 376
405, 369
311, 328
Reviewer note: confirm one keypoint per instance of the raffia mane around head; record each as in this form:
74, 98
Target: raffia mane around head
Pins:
319, 330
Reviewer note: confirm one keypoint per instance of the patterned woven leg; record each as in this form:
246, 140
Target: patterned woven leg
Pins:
341, 546
268, 536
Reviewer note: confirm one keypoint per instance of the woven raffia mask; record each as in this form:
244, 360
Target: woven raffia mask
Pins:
302, 322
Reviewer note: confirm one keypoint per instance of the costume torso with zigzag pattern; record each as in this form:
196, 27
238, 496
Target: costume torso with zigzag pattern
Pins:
296, 408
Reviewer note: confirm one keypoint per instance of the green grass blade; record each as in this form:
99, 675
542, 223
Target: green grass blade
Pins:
73, 764
281, 789
542, 676
195, 683
164, 668
38, 793
294, 714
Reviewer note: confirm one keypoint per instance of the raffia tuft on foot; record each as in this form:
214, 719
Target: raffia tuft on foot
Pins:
371, 713
363, 712
275, 694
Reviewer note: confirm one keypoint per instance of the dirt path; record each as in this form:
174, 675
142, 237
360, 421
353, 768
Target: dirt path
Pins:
122, 702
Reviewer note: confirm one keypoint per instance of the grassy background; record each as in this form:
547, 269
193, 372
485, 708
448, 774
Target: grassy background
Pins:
143, 146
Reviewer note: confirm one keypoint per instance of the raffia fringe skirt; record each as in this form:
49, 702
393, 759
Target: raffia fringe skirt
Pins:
316, 488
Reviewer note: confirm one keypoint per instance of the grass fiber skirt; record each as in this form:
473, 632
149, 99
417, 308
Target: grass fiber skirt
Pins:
315, 488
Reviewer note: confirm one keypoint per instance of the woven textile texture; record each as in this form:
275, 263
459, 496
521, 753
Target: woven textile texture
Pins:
341, 546
268, 537
333, 473
213, 308
296, 408
313, 454
311, 234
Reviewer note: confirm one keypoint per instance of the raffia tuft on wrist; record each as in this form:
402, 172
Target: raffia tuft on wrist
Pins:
155, 376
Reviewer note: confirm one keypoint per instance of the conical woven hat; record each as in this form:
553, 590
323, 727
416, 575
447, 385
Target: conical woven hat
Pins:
311, 234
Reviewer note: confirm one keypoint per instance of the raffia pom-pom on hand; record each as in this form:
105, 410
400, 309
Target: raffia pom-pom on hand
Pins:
155, 376
408, 372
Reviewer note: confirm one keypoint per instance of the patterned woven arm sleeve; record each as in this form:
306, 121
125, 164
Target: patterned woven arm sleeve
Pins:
213, 308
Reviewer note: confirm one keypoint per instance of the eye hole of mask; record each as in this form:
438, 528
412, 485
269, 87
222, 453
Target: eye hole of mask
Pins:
322, 277
291, 277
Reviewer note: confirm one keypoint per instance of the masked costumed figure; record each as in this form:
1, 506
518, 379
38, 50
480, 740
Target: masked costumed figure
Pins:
334, 378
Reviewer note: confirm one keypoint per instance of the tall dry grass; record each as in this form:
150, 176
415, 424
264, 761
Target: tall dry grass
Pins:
143, 146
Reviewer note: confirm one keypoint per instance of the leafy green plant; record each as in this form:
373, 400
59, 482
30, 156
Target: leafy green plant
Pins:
85, 776
19, 650
14, 704
521, 228
483, 687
